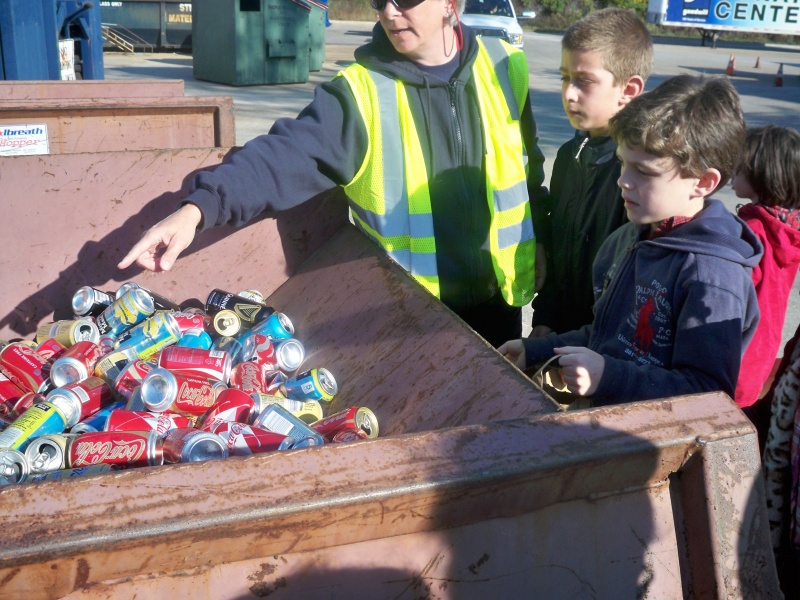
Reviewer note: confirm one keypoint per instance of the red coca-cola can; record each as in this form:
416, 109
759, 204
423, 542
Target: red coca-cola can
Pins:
25, 367
163, 390
10, 393
351, 419
131, 377
286, 355
231, 405
189, 320
249, 377
86, 397
76, 363
348, 436
138, 420
190, 445
212, 364
51, 349
243, 440
121, 448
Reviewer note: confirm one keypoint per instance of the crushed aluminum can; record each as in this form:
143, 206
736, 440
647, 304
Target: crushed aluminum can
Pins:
187, 444
13, 466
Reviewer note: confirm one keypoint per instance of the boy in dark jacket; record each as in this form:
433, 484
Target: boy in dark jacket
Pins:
676, 305
605, 60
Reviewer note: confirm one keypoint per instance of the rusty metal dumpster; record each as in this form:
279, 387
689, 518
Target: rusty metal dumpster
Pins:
479, 486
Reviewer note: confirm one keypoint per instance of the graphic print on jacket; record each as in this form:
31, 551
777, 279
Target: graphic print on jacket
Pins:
650, 323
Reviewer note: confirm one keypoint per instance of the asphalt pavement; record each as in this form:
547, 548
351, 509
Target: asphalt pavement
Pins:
755, 72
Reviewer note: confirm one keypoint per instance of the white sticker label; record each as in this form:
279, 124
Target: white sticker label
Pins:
21, 140
66, 54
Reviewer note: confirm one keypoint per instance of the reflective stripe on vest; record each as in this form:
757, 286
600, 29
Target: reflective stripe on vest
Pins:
392, 205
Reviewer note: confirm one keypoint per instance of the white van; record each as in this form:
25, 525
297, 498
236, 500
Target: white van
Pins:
495, 18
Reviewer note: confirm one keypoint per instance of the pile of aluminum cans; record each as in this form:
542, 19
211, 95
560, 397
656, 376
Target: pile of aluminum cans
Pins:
134, 380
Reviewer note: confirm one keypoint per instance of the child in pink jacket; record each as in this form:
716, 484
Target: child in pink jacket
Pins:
768, 174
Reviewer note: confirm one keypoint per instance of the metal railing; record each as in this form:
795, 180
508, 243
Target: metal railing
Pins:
123, 38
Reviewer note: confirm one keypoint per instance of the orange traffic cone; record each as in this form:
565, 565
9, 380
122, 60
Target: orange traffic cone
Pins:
758, 63
731, 65
779, 77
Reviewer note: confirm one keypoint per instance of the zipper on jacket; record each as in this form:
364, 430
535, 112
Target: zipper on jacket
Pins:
627, 261
451, 88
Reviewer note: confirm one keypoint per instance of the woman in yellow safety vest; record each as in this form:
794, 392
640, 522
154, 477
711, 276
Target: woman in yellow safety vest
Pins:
431, 135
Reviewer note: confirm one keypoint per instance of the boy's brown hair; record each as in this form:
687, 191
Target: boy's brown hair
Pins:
620, 36
770, 162
695, 120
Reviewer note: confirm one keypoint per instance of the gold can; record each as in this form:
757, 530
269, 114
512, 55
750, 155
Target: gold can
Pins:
67, 333
227, 323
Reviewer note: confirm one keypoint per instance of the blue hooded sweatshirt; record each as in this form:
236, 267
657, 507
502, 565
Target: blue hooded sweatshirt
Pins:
673, 314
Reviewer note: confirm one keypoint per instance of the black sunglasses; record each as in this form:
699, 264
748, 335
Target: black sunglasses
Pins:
379, 5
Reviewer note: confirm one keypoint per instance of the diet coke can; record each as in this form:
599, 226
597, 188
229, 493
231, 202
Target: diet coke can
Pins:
137, 420
243, 440
285, 355
231, 405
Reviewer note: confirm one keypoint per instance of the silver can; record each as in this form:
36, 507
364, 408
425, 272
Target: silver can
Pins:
88, 301
47, 453
13, 466
187, 444
276, 418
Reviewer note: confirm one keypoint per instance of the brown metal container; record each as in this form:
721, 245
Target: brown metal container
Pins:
479, 486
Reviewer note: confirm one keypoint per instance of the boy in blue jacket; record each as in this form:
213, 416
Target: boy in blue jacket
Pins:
675, 305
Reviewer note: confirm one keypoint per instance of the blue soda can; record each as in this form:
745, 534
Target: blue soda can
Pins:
42, 418
151, 335
196, 338
131, 308
97, 422
277, 326
77, 472
314, 384
240, 351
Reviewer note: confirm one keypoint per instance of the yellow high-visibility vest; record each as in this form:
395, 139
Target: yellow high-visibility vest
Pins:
393, 206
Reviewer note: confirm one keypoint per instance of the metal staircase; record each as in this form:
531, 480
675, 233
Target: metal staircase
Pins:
124, 39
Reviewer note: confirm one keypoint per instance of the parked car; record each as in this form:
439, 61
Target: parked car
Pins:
495, 18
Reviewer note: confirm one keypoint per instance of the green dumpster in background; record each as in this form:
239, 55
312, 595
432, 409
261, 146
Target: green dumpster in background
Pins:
317, 19
251, 42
